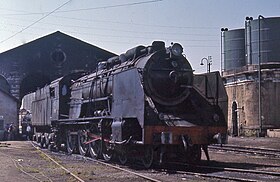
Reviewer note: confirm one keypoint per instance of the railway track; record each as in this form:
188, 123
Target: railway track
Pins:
34, 175
248, 150
125, 170
228, 176
147, 178
225, 173
58, 164
187, 171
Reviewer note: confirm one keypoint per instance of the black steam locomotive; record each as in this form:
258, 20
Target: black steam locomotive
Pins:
145, 104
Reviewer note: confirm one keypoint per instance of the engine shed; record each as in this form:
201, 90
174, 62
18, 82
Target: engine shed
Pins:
38, 62
32, 65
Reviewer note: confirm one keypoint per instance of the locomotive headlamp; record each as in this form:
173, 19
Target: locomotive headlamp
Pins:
177, 49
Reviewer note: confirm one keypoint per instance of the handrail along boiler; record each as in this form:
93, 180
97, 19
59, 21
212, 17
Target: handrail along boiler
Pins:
145, 103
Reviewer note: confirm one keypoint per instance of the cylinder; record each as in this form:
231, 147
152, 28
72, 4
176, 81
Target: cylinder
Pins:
265, 35
234, 49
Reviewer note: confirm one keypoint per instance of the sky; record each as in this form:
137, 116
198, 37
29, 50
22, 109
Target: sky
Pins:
118, 25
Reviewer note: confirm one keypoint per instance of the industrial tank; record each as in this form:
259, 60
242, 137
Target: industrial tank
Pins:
269, 41
234, 49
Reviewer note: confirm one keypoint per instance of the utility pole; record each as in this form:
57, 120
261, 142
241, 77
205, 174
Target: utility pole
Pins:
259, 76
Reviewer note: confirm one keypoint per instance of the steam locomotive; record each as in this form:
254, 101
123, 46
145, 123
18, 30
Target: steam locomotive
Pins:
145, 104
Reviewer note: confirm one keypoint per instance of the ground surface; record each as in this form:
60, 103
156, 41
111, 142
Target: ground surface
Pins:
20, 161
263, 142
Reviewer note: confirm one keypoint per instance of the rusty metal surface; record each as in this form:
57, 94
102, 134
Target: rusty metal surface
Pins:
198, 134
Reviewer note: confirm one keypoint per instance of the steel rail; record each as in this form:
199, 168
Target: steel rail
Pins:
19, 167
247, 147
240, 170
106, 164
252, 150
215, 176
226, 170
122, 169
54, 161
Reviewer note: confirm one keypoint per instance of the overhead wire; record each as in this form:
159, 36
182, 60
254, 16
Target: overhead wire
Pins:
122, 30
35, 22
93, 8
119, 36
112, 6
126, 30
137, 24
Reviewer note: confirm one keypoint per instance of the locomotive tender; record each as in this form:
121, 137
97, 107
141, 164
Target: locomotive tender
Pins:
145, 104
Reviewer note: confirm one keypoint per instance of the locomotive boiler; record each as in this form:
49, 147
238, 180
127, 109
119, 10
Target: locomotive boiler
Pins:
145, 104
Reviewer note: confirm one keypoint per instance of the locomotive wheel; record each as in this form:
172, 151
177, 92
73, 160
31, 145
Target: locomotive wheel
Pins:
194, 154
107, 153
122, 157
95, 149
43, 142
38, 138
51, 142
70, 142
47, 143
82, 138
148, 157
46, 140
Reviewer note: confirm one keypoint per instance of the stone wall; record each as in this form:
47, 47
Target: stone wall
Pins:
243, 88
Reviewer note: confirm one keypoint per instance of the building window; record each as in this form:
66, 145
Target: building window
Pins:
58, 56
52, 92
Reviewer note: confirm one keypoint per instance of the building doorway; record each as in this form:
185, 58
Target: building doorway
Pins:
234, 119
